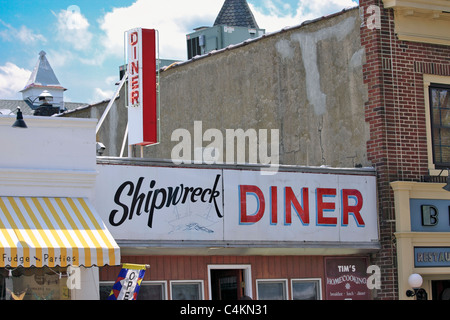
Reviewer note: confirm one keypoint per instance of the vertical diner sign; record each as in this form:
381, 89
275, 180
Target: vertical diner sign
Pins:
142, 93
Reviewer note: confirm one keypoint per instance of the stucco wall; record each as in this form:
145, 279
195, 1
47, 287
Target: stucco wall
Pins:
304, 81
112, 132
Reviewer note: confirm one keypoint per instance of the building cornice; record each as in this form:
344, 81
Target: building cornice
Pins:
430, 5
426, 21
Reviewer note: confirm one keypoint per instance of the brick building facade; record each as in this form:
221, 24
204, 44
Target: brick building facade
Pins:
396, 111
379, 72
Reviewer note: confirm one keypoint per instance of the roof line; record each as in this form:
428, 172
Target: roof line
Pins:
267, 35
236, 12
33, 85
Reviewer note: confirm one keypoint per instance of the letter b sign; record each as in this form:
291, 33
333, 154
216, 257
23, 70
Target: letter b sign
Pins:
429, 215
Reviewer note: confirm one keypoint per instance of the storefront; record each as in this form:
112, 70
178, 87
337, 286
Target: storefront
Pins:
423, 237
229, 232
52, 241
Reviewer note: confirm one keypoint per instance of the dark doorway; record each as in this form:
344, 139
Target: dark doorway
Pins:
227, 284
441, 289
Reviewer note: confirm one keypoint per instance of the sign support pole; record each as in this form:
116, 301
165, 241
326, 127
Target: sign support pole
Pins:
111, 102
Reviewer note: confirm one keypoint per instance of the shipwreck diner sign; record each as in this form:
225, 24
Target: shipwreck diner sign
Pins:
166, 204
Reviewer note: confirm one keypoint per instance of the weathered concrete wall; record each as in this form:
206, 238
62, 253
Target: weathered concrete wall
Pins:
112, 131
306, 82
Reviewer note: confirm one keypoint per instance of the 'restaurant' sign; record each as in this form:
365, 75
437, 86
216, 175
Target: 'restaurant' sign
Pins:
425, 257
142, 93
162, 203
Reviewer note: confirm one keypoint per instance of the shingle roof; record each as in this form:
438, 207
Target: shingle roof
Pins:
8, 106
236, 13
43, 74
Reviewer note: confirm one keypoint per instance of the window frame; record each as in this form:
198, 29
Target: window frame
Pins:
201, 282
143, 283
318, 281
105, 283
156, 282
438, 164
284, 281
428, 81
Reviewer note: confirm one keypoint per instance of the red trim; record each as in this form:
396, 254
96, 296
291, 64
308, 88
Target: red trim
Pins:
149, 105
41, 86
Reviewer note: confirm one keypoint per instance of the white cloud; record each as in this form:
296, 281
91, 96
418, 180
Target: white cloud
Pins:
12, 80
59, 58
96, 58
100, 95
274, 19
73, 28
111, 80
172, 18
22, 34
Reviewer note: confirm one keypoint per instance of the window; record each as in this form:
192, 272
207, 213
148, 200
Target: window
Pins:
193, 46
149, 290
152, 291
105, 289
186, 290
271, 289
439, 96
306, 289
34, 284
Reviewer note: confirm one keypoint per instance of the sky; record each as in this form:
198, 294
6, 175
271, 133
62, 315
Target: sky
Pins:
84, 39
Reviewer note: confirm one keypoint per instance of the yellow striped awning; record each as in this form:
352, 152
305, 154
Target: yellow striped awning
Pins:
39, 231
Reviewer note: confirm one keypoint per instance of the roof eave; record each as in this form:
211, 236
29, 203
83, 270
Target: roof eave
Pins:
33, 85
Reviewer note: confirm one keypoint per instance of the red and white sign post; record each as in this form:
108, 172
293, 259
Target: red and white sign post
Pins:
143, 117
